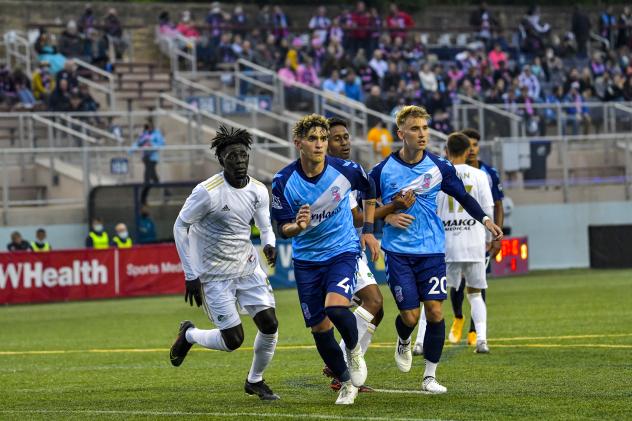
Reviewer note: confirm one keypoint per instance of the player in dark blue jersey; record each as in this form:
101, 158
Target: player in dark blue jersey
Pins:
415, 254
310, 202
457, 296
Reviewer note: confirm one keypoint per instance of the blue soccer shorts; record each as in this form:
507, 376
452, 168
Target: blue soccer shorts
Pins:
314, 280
413, 279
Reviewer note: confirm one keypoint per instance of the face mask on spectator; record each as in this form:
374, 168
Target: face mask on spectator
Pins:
97, 227
123, 235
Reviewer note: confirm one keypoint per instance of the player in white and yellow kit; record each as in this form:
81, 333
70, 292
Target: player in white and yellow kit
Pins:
221, 266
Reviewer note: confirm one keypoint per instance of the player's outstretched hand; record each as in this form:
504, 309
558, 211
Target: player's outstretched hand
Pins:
270, 253
193, 291
304, 217
399, 220
403, 200
374, 247
497, 232
494, 248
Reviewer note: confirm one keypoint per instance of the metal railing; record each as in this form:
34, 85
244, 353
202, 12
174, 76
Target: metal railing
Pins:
490, 119
564, 162
179, 49
108, 90
18, 51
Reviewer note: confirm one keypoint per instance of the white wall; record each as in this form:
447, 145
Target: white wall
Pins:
60, 236
558, 233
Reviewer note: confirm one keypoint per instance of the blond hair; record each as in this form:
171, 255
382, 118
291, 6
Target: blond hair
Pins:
305, 124
410, 111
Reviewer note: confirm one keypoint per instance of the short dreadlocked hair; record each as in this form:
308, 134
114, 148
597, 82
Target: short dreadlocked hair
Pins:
305, 124
225, 136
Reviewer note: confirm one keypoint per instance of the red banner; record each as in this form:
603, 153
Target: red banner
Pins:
89, 274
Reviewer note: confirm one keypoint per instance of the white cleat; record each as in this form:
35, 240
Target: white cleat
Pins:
481, 347
431, 386
347, 394
418, 349
403, 356
357, 366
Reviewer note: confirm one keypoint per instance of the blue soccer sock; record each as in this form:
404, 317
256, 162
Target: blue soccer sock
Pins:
345, 322
403, 331
433, 341
331, 354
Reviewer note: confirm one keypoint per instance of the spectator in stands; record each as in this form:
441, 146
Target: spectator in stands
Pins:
334, 84
378, 64
114, 30
60, 99
97, 238
146, 226
320, 24
496, 56
71, 43
398, 22
381, 139
69, 73
186, 27
8, 93
280, 24
46, 51
483, 22
26, 99
336, 32
239, 21
18, 243
215, 23
166, 26
40, 244
86, 21
625, 28
359, 35
581, 29
150, 141
608, 25
96, 48
306, 73
577, 113
121, 239
428, 78
43, 83
530, 81
375, 102
353, 85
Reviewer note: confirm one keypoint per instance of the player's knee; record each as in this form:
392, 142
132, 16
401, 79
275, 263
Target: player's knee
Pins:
410, 318
434, 314
233, 337
267, 322
378, 316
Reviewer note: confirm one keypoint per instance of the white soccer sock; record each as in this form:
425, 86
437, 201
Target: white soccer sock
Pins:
479, 315
421, 330
431, 369
363, 320
365, 341
211, 339
265, 344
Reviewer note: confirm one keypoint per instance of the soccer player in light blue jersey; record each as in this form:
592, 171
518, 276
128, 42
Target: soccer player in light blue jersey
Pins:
414, 239
310, 202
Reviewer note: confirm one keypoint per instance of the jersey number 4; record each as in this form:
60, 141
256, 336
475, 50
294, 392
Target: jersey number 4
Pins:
468, 188
344, 284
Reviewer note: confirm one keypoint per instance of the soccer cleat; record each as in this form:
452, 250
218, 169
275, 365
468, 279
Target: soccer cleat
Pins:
180, 346
418, 349
403, 356
357, 366
456, 331
347, 394
471, 338
260, 389
430, 385
328, 373
481, 347
336, 385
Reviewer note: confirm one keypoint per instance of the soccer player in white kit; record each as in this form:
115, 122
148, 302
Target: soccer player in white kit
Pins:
465, 238
367, 295
221, 266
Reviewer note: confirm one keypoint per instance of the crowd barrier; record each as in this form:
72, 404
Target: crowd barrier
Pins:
145, 270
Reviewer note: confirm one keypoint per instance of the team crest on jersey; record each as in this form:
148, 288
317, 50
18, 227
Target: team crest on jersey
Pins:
257, 203
335, 193
276, 202
306, 312
399, 296
427, 180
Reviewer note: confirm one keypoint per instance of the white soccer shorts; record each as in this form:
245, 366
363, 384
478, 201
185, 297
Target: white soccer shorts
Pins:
473, 272
364, 277
253, 293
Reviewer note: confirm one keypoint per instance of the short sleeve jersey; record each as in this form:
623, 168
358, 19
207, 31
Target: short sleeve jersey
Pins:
331, 230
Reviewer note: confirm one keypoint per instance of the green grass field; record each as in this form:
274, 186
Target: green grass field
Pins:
561, 348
